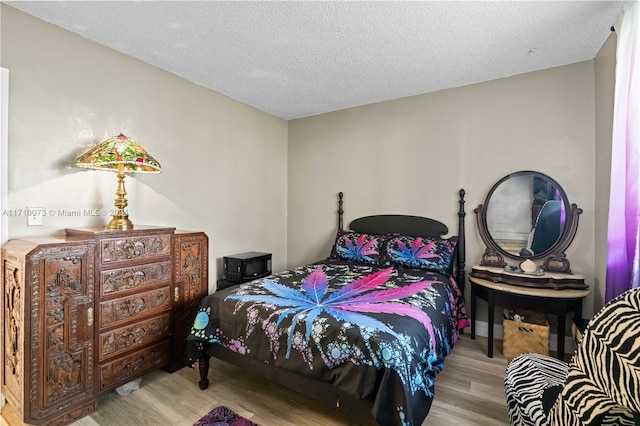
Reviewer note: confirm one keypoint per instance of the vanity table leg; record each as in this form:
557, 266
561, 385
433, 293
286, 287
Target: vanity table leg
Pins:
473, 312
577, 312
491, 307
561, 325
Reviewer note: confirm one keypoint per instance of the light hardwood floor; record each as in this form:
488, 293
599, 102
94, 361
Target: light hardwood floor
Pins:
469, 391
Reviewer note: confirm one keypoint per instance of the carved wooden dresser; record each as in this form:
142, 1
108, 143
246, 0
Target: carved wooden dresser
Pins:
87, 312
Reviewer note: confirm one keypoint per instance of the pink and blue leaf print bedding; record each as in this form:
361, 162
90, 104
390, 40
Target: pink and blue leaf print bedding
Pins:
378, 333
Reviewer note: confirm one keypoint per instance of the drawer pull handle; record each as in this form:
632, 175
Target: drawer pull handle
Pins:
176, 294
89, 317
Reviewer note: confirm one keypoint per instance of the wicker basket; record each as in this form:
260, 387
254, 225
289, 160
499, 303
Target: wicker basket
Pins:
531, 335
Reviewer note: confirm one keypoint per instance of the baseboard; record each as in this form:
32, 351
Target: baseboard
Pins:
483, 330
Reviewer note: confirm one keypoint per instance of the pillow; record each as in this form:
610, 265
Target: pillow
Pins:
435, 254
358, 247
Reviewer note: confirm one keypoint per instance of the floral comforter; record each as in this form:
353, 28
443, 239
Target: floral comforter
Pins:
378, 333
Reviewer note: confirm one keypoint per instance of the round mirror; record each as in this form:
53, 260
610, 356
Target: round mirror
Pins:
527, 215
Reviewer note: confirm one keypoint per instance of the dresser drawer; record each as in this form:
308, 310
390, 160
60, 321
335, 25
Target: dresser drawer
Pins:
119, 311
123, 370
127, 249
114, 281
125, 338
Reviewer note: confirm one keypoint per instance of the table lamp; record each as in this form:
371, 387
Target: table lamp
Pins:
119, 154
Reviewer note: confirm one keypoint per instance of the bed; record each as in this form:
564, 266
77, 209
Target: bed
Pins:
365, 330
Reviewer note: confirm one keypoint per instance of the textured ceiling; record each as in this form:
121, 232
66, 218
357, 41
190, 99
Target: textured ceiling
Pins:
296, 59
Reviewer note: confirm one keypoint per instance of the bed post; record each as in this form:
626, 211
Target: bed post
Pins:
203, 368
340, 211
460, 276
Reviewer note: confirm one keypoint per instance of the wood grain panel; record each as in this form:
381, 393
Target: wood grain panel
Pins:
126, 338
118, 311
115, 281
114, 250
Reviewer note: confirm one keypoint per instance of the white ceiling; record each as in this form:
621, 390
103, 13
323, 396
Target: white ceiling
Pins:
300, 58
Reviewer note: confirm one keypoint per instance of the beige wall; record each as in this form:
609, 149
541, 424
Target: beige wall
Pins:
224, 164
605, 68
406, 156
412, 155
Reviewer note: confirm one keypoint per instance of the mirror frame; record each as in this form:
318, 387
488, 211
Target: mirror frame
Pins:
554, 257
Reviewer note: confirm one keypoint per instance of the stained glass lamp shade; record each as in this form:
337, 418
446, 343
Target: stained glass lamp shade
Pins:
119, 154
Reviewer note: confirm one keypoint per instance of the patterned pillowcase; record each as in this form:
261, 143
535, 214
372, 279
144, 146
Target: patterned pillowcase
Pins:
358, 247
435, 254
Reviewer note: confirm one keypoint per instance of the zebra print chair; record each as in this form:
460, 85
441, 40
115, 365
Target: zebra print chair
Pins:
601, 384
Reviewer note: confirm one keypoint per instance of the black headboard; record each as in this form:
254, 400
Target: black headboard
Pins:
415, 226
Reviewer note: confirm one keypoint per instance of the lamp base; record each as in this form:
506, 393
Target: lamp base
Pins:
119, 223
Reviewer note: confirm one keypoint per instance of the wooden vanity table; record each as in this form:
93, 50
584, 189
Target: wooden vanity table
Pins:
556, 302
527, 217
540, 280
